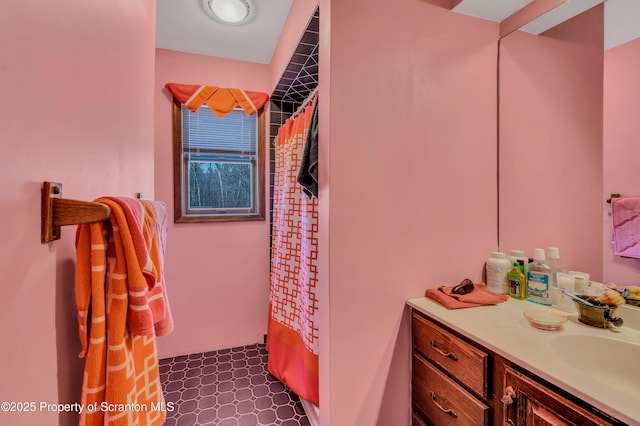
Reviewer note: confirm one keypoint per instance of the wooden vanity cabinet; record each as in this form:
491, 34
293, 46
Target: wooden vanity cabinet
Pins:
528, 402
455, 381
450, 379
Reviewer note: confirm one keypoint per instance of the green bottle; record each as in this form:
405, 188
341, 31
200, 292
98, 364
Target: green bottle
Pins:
516, 282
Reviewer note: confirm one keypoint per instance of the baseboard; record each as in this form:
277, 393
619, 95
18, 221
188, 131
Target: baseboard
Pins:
202, 347
312, 411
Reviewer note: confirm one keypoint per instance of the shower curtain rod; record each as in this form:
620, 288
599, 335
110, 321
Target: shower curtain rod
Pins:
306, 102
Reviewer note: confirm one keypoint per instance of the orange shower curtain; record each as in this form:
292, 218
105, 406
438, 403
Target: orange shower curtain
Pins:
292, 339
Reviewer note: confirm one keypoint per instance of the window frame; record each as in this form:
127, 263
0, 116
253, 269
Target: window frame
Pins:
181, 214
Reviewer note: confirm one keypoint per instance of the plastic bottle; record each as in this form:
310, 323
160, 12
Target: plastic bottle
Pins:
516, 282
520, 257
565, 282
581, 282
498, 266
513, 255
556, 266
554, 260
539, 279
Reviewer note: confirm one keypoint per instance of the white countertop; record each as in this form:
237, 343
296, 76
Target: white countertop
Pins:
504, 330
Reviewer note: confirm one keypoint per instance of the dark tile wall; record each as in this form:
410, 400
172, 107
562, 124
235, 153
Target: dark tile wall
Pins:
301, 75
297, 82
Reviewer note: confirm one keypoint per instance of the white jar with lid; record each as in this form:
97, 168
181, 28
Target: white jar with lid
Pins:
580, 282
498, 266
521, 258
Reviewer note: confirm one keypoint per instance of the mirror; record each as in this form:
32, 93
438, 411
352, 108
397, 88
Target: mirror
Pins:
568, 125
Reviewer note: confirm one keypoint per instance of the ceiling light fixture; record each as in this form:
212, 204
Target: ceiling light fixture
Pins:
231, 12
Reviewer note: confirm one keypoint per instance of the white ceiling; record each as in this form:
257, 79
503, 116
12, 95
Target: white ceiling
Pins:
622, 17
621, 22
559, 14
183, 25
494, 10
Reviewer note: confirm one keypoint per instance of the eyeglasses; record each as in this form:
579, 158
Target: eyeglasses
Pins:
465, 286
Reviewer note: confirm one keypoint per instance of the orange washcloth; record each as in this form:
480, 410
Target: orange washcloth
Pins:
480, 296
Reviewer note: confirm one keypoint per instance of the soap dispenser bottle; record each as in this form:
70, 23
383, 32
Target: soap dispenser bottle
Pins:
539, 279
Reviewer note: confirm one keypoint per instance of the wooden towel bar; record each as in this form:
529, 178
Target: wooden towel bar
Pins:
612, 197
58, 212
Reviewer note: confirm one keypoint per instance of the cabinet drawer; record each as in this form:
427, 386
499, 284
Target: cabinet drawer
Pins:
455, 356
416, 420
443, 401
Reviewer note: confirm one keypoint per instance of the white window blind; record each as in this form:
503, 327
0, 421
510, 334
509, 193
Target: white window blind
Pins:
204, 131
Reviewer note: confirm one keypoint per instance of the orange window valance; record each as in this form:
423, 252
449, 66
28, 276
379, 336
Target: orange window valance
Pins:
219, 99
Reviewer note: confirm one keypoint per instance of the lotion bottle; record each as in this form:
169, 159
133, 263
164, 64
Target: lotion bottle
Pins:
498, 266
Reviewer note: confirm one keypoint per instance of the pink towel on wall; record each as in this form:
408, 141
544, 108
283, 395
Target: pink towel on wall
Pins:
625, 226
480, 296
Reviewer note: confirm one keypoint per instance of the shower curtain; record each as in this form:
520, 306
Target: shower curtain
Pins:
292, 339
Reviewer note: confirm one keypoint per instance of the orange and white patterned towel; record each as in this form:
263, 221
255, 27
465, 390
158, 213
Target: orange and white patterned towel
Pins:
119, 277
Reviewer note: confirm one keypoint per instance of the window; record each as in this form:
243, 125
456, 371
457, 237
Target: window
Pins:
218, 165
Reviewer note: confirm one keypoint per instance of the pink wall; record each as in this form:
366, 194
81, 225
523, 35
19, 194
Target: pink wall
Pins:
77, 109
217, 273
551, 141
324, 162
407, 187
621, 147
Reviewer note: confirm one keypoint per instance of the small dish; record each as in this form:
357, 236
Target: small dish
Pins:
545, 319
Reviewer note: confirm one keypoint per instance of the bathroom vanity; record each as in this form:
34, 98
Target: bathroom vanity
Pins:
489, 366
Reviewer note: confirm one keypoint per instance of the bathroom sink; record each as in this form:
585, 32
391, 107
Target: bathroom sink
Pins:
611, 362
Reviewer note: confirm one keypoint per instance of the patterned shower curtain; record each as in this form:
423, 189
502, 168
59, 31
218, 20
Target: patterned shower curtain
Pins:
292, 339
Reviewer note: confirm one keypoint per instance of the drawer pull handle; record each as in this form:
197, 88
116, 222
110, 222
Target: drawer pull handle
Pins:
509, 394
449, 411
449, 355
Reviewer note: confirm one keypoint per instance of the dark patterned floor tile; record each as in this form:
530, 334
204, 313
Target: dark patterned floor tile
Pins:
227, 387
